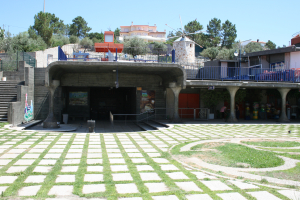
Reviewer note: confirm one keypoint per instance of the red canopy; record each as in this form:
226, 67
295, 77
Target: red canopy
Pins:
104, 47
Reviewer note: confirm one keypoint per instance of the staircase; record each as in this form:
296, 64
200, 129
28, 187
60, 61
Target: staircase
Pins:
151, 125
8, 93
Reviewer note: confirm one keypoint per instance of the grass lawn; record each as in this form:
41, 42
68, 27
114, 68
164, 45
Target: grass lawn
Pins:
273, 143
229, 154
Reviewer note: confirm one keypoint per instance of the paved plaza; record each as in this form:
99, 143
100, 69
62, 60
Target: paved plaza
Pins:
131, 165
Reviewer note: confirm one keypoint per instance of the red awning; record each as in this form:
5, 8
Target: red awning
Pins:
104, 47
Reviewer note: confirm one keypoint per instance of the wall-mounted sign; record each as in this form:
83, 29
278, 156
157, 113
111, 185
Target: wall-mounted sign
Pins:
28, 112
211, 87
147, 103
78, 98
138, 88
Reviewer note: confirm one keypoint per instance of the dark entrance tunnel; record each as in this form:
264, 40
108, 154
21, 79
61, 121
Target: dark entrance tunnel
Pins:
82, 103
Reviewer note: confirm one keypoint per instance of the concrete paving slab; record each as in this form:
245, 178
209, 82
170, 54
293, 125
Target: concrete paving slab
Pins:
160, 160
201, 175
231, 196
150, 176
65, 179
198, 197
35, 179
71, 161
168, 167
2, 189
7, 179
94, 161
15, 169
24, 162
29, 190
5, 161
188, 186
177, 175
167, 197
42, 169
126, 188
93, 177
47, 162
117, 161
216, 185
263, 195
242, 185
144, 168
69, 169
61, 190
94, 168
52, 155
291, 194
116, 168
122, 177
87, 189
138, 160
156, 187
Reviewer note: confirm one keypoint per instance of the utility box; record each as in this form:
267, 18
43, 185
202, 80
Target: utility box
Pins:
91, 125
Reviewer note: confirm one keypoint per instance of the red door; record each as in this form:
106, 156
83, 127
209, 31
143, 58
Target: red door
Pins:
188, 101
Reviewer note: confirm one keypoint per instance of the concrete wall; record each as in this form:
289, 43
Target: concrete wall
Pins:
295, 59
42, 59
147, 82
16, 109
16, 75
41, 96
264, 62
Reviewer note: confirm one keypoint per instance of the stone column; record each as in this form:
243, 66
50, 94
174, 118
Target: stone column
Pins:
176, 90
283, 92
232, 91
51, 121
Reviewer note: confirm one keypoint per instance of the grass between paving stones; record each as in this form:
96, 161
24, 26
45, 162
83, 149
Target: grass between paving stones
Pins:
2, 124
110, 189
12, 190
52, 175
170, 182
273, 143
82, 168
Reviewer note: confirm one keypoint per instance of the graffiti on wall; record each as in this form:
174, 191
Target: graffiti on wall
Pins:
28, 112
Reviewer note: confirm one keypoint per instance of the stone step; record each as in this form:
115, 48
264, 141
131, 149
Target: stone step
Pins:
144, 126
154, 125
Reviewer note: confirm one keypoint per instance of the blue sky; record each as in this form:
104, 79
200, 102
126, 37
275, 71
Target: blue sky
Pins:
274, 20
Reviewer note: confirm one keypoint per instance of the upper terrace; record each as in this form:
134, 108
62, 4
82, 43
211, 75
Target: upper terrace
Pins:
224, 71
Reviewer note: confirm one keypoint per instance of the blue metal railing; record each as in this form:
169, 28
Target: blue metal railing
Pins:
241, 74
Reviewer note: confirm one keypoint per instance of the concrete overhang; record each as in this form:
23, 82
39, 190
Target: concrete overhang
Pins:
168, 72
242, 84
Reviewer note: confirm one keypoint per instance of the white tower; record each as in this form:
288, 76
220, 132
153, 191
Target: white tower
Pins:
184, 50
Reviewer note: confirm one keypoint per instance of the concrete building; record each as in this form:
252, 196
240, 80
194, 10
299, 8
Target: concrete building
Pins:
145, 32
96, 90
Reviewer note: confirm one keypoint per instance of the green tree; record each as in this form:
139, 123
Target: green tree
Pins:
98, 36
86, 43
174, 36
192, 27
59, 40
1, 33
116, 34
214, 32
228, 34
253, 47
45, 24
225, 54
270, 45
211, 53
158, 48
135, 46
74, 39
79, 27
